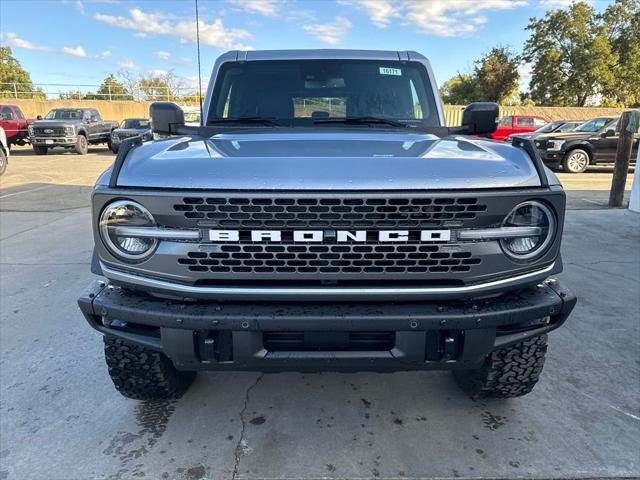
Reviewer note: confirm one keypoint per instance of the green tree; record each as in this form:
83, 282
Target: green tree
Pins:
460, 90
15, 79
571, 55
110, 89
494, 79
496, 75
622, 22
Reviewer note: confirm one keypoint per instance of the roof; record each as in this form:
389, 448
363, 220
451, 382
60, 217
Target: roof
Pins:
320, 54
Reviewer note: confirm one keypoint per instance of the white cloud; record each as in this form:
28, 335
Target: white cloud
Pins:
560, 3
452, 18
215, 34
186, 60
157, 72
162, 54
332, 33
12, 40
74, 52
380, 12
268, 8
103, 55
79, 6
128, 65
140, 35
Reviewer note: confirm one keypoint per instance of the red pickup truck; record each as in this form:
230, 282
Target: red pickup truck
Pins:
16, 127
517, 124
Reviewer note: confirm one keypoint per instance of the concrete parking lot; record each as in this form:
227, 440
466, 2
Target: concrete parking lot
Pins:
60, 417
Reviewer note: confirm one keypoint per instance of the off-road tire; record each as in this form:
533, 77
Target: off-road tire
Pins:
38, 150
143, 374
3, 161
508, 372
82, 145
575, 161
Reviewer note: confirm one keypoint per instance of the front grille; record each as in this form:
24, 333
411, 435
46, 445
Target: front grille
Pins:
331, 259
49, 131
327, 341
291, 212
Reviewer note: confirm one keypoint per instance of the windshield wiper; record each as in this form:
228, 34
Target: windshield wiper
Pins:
362, 121
247, 120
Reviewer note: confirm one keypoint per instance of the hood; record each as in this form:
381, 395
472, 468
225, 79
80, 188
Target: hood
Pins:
567, 135
328, 160
56, 123
131, 131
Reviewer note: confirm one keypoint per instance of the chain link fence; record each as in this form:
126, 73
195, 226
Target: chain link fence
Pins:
69, 91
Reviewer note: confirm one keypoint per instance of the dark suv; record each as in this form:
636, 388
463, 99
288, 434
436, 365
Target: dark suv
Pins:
592, 142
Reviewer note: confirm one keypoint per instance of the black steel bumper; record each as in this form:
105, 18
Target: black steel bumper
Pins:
325, 337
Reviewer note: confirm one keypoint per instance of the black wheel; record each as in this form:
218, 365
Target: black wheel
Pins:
575, 161
38, 150
508, 372
82, 146
143, 374
3, 161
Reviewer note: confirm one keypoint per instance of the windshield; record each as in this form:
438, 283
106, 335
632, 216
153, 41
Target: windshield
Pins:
593, 125
549, 127
64, 114
297, 92
135, 123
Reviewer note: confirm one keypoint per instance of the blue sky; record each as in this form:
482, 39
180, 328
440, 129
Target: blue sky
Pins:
81, 41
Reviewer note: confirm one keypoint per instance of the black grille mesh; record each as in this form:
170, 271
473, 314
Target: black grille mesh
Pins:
239, 212
330, 259
49, 131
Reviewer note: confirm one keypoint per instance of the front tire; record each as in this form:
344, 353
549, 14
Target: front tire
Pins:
507, 372
143, 374
82, 146
38, 150
575, 161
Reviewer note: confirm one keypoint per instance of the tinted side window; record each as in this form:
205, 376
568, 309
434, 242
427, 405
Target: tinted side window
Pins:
506, 121
538, 122
524, 122
18, 113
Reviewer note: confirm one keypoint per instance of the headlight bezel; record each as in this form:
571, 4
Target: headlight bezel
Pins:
542, 247
555, 145
69, 130
106, 236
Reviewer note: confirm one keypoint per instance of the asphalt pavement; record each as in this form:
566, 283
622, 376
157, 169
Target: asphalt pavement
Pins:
60, 417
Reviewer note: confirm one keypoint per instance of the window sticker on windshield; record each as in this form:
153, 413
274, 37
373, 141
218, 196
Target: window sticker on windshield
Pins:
390, 71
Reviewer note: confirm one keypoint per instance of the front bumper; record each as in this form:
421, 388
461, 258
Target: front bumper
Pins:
551, 157
54, 141
285, 336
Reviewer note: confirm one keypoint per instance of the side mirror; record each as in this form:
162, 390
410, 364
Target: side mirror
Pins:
166, 117
93, 119
39, 117
480, 117
609, 133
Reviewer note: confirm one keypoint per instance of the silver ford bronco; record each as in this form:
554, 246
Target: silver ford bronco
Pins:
324, 218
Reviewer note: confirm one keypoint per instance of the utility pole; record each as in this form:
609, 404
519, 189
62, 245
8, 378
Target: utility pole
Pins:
627, 126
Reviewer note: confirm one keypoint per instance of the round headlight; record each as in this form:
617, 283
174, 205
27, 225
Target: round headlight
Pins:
529, 214
126, 213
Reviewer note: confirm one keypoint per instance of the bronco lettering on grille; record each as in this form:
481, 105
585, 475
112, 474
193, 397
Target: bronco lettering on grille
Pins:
329, 236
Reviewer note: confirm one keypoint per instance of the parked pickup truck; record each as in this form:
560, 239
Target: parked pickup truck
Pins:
71, 128
358, 234
15, 125
517, 124
595, 141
